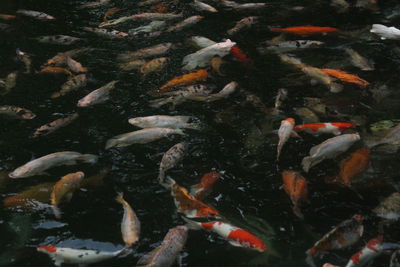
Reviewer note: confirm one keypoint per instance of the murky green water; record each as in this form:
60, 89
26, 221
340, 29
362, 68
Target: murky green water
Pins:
237, 140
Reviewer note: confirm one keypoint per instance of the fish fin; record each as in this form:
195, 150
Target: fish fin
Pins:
146, 259
57, 212
235, 243
191, 224
306, 163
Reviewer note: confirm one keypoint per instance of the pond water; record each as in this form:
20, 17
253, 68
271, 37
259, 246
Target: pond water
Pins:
237, 140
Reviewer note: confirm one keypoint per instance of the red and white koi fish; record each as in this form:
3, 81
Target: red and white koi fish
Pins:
203, 188
188, 205
83, 257
284, 133
372, 249
236, 236
344, 235
335, 128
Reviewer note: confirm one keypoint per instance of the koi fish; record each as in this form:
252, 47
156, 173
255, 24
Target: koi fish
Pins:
237, 53
200, 42
40, 165
200, 6
243, 24
16, 112
236, 236
284, 132
113, 34
243, 7
335, 128
171, 158
354, 165
295, 185
9, 83
97, 96
188, 205
35, 15
385, 32
64, 189
94, 4
153, 65
143, 136
7, 17
73, 84
55, 71
359, 61
141, 17
391, 137
329, 149
305, 30
156, 50
58, 39
166, 254
110, 12
202, 57
53, 126
190, 21
130, 225
132, 65
371, 250
288, 46
34, 197
190, 78
24, 57
207, 181
346, 77
163, 121
83, 257
389, 208
342, 236
154, 26
216, 64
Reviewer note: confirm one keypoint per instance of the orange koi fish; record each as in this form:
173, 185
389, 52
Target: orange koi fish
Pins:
305, 30
188, 205
55, 71
237, 53
354, 165
295, 185
200, 75
346, 77
335, 128
7, 17
205, 186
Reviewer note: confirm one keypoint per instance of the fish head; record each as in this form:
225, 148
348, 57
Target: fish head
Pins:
25, 114
358, 218
47, 249
84, 102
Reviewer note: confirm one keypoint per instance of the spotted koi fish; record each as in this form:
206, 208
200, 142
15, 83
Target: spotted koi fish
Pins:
83, 257
305, 30
236, 236
188, 205
190, 78
335, 128
207, 181
344, 235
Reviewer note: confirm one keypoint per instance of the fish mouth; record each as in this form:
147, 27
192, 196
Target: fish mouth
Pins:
12, 175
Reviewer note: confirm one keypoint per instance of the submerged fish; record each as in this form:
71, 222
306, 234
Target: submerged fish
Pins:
7, 17
200, 42
171, 158
354, 165
389, 208
236, 236
35, 15
392, 137
106, 33
55, 71
30, 198
164, 121
73, 84
243, 24
58, 39
97, 96
207, 181
110, 12
132, 65
243, 7
24, 57
295, 185
130, 225
190, 21
154, 26
141, 17
197, 76
165, 254
153, 65
16, 112
305, 30
83, 257
64, 189
9, 83
335, 128
40, 165
358, 60
385, 32
216, 63
188, 205
143, 136
53, 126
200, 6
329, 149
94, 4
202, 58
344, 235
284, 133
156, 50
346, 77
286, 46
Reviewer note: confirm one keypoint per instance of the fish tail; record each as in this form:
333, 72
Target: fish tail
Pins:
306, 163
195, 126
120, 197
191, 224
57, 212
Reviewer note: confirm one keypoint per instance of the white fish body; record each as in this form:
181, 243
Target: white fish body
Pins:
35, 14
329, 149
186, 23
40, 165
164, 121
83, 257
202, 58
200, 6
284, 132
97, 96
143, 136
200, 42
385, 32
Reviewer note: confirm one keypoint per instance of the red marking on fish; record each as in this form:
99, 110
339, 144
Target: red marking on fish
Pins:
243, 236
51, 249
305, 30
208, 225
237, 53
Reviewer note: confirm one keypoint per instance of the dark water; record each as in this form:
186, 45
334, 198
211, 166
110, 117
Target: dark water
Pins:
233, 142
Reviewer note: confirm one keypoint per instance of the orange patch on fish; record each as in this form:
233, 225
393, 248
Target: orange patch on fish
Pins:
243, 236
346, 77
237, 53
305, 30
55, 70
187, 203
160, 8
7, 17
50, 249
206, 182
200, 75
354, 165
295, 185
312, 126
